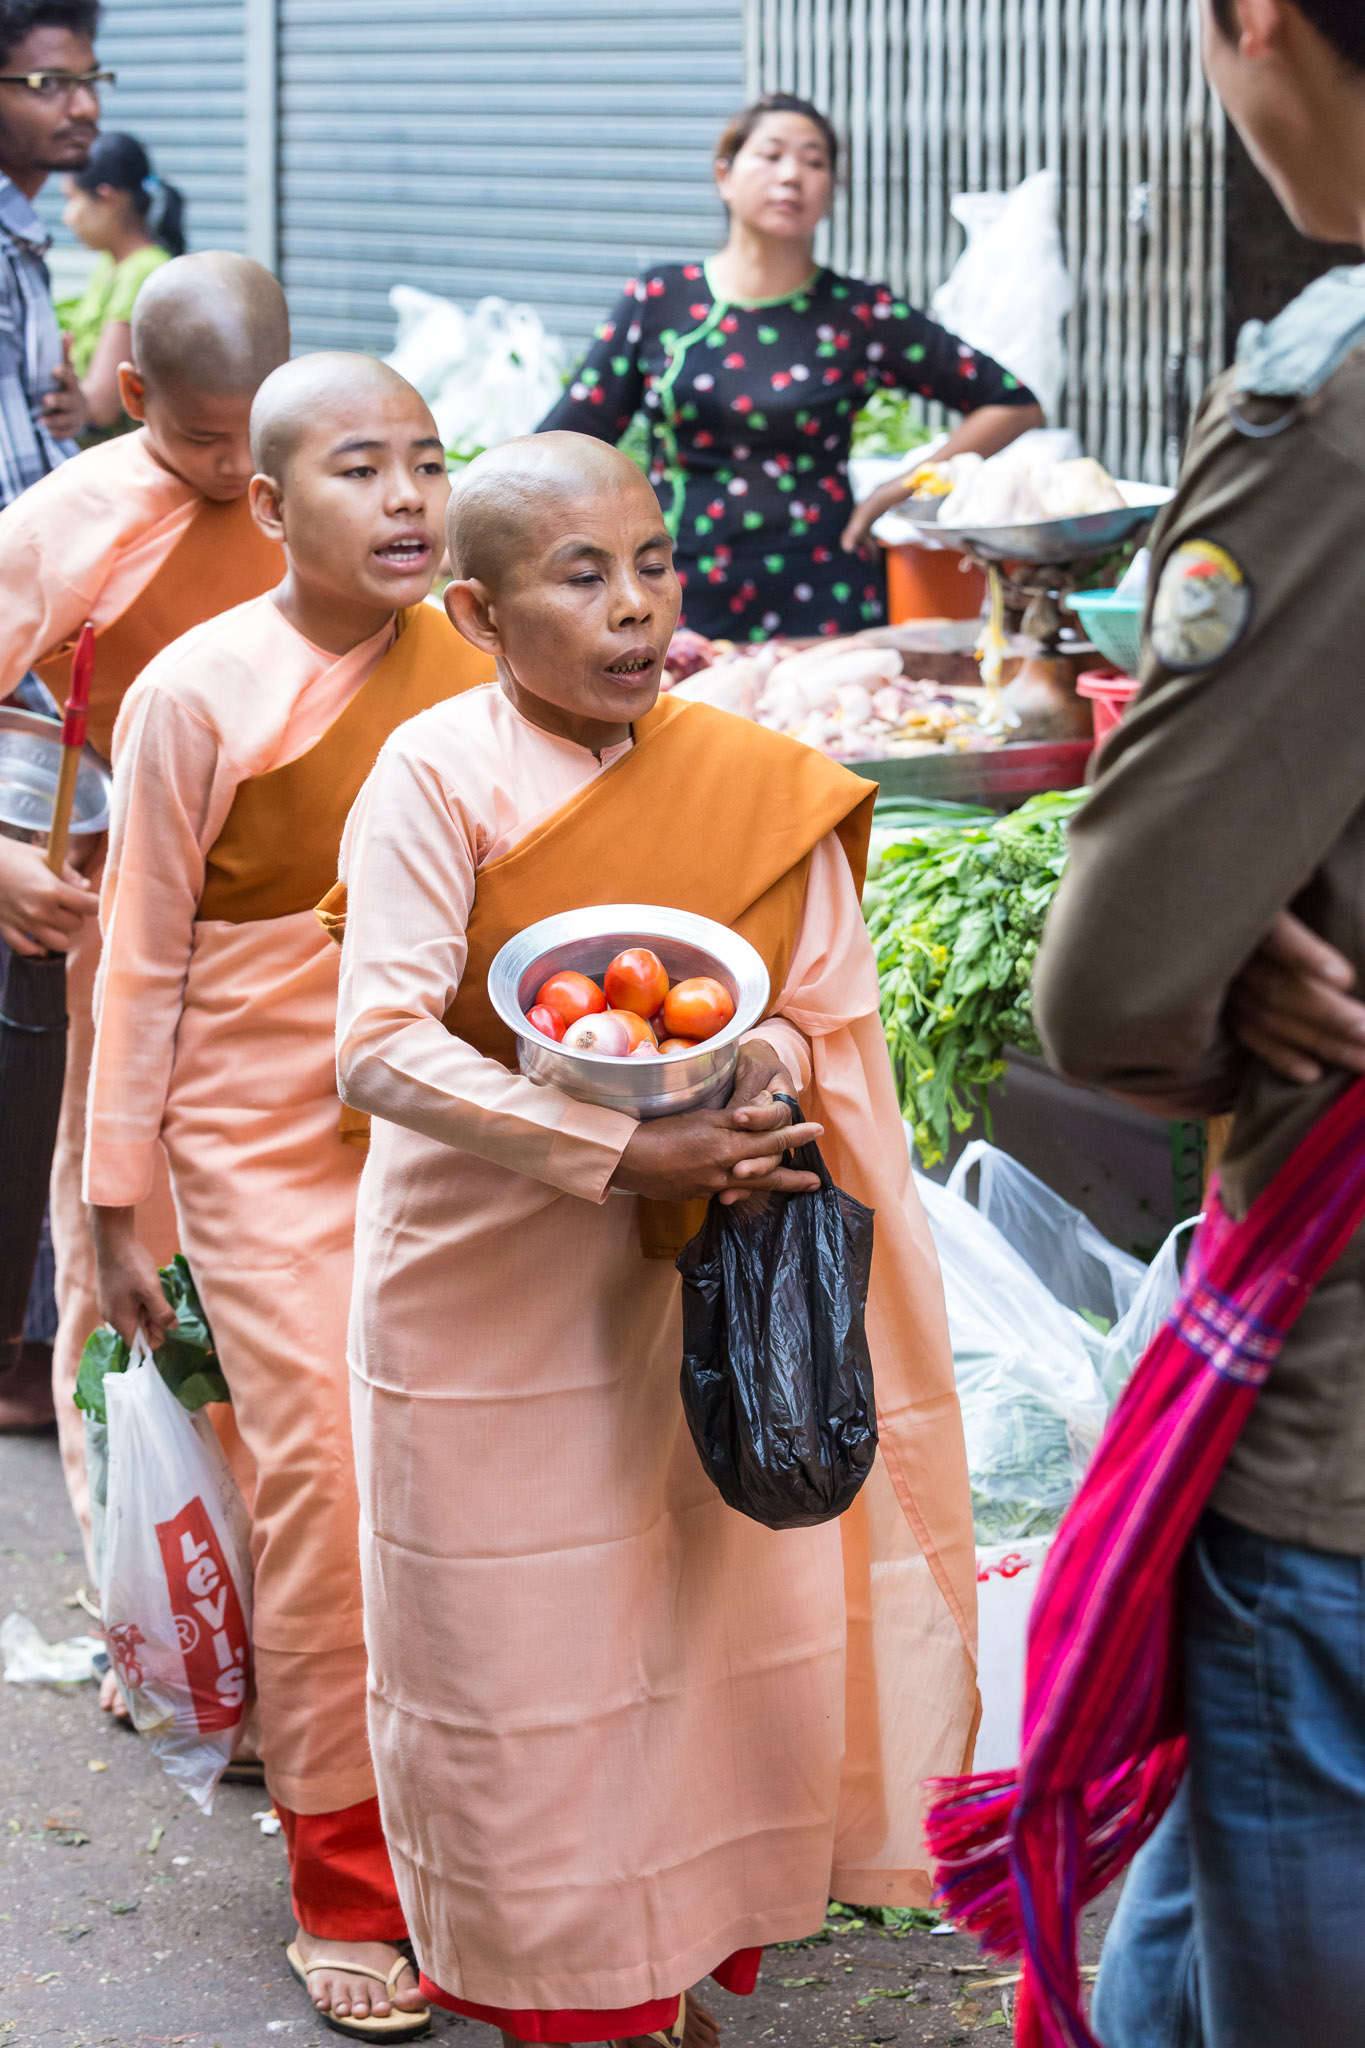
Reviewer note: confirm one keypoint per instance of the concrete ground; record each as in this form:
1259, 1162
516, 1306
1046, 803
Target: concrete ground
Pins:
127, 1917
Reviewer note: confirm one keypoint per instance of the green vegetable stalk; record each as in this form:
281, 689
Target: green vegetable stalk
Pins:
956, 913
889, 424
186, 1360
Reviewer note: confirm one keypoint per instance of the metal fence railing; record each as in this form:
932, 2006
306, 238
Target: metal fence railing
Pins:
936, 97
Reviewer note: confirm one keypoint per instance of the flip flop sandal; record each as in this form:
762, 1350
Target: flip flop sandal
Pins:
397, 2026
244, 1772
667, 2037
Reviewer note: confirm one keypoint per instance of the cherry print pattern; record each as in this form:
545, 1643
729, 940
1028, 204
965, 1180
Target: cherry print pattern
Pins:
750, 415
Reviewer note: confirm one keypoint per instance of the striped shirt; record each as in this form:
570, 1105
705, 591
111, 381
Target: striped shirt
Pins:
30, 347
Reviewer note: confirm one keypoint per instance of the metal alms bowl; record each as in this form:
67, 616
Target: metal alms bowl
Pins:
589, 940
30, 755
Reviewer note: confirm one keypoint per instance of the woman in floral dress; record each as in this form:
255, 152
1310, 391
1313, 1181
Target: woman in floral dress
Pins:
751, 368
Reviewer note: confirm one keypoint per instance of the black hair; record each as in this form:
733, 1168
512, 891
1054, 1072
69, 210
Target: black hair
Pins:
1342, 22
121, 162
19, 18
742, 127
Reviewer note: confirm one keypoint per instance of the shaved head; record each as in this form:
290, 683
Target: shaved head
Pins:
503, 497
215, 322
314, 392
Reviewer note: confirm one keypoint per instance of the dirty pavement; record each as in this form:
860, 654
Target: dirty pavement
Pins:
128, 1917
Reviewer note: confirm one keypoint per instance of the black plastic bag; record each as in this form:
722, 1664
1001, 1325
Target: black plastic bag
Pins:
776, 1377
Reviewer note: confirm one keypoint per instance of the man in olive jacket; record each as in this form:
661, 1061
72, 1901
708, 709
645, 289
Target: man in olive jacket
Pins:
1233, 793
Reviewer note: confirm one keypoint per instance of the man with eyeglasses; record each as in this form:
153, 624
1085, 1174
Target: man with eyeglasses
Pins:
49, 116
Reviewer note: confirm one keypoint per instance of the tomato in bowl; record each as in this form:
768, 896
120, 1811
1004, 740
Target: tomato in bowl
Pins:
587, 942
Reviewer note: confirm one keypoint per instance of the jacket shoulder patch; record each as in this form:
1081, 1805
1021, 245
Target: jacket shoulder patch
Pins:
1202, 607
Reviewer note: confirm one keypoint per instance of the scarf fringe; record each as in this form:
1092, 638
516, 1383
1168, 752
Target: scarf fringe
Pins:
974, 1823
1019, 1854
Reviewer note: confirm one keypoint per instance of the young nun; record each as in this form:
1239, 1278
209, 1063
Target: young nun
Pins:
145, 535
624, 1736
237, 756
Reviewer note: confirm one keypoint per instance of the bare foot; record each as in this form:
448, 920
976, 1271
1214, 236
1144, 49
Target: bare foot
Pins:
111, 1698
356, 1998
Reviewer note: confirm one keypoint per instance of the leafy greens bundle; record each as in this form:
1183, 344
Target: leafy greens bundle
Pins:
186, 1358
956, 913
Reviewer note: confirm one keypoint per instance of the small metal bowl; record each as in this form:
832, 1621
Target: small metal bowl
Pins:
30, 755
589, 940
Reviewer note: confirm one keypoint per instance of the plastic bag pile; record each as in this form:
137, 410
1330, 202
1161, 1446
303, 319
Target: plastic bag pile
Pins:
1009, 292
487, 375
1047, 1320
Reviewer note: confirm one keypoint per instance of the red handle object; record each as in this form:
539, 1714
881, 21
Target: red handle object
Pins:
74, 720
77, 713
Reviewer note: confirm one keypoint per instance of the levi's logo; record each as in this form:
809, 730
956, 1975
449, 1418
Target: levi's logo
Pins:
209, 1624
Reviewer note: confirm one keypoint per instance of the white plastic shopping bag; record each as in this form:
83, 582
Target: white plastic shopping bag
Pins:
1148, 1310
1047, 1320
1007, 1576
432, 338
1075, 1262
1027, 1375
175, 1583
487, 375
1009, 292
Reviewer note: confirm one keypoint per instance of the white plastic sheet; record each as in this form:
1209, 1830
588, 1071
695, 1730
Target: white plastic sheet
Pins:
175, 1584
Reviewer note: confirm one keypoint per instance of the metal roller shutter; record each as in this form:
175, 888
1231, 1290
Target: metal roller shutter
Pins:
531, 148
181, 91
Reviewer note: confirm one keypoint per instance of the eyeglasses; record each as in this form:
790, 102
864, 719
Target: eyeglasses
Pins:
59, 85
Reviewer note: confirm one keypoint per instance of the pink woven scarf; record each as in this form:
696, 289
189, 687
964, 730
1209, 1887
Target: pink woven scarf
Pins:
1020, 1853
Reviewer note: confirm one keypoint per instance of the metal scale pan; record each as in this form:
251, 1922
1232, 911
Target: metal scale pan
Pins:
30, 755
1048, 540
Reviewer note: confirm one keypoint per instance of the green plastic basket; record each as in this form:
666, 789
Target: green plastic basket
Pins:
1114, 623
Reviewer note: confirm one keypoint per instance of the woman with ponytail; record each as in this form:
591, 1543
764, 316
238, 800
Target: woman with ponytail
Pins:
118, 206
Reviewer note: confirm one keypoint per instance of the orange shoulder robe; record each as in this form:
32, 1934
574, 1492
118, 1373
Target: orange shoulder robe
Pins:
85, 542
621, 1733
214, 1038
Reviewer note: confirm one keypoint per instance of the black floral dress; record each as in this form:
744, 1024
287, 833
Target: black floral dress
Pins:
751, 411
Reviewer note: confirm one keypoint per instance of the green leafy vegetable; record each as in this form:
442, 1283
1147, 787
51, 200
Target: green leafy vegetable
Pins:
905, 1919
1019, 1454
187, 1359
956, 913
889, 424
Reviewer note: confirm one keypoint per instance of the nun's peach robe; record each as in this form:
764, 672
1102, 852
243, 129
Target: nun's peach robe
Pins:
80, 544
215, 1039
621, 1732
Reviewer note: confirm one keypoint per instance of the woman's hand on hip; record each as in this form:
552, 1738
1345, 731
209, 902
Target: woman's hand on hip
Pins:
864, 517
